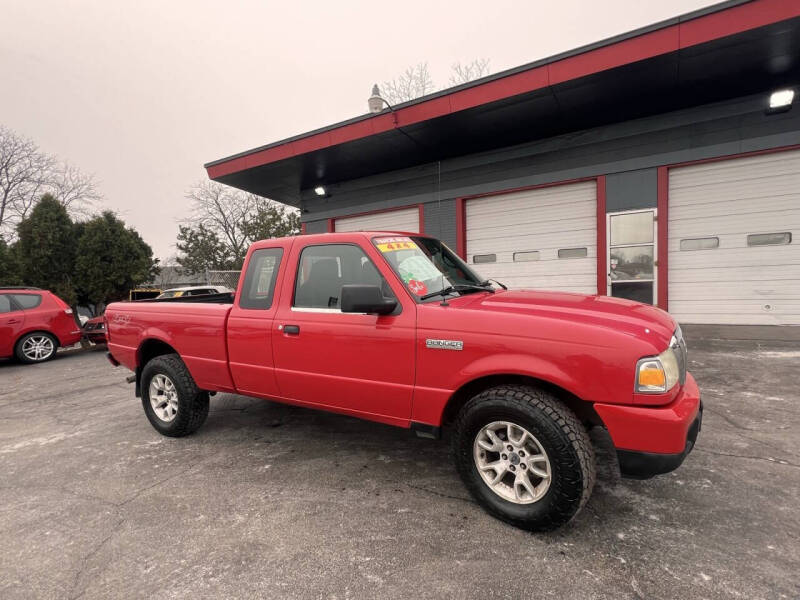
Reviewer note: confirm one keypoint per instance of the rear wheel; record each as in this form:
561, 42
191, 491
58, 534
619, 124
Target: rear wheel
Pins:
171, 399
524, 456
36, 347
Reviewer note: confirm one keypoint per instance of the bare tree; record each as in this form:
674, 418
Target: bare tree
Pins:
223, 209
27, 173
24, 176
74, 189
416, 81
462, 73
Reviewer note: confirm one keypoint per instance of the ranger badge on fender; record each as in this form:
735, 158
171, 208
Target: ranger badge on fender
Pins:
444, 344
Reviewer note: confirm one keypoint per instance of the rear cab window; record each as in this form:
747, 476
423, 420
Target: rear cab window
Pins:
258, 288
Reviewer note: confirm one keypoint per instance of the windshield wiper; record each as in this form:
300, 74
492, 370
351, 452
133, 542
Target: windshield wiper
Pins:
461, 287
486, 283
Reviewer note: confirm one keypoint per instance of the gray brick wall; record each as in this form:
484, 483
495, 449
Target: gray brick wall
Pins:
632, 189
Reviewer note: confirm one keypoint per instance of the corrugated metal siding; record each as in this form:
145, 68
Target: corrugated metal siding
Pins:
317, 226
406, 219
440, 221
543, 220
734, 283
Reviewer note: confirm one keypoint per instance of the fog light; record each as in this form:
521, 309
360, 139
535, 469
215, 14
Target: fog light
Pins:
319, 190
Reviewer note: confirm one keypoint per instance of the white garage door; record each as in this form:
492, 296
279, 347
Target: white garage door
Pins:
404, 219
734, 241
544, 238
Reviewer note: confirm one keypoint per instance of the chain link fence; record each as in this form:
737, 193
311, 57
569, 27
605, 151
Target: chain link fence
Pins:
230, 279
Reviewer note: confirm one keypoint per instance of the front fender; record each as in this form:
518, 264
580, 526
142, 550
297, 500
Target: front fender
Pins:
430, 402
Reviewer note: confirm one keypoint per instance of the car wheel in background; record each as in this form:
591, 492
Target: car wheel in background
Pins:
36, 347
524, 456
171, 399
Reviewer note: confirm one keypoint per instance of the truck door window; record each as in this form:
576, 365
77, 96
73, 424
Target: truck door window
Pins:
259, 280
5, 304
323, 270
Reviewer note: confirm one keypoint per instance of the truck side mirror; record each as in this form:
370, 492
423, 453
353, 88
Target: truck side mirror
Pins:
360, 298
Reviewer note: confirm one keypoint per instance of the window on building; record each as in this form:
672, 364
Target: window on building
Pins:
323, 270
573, 252
480, 259
769, 239
526, 256
706, 243
259, 280
28, 301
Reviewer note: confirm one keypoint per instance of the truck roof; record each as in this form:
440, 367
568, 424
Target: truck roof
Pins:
334, 236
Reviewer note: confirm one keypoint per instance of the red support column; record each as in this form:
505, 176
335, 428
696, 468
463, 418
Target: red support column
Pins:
602, 268
461, 228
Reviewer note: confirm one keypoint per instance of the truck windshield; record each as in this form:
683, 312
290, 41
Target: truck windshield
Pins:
426, 265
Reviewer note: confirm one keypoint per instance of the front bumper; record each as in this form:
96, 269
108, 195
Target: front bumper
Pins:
644, 465
654, 440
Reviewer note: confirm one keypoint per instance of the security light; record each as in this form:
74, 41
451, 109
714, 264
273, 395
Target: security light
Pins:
319, 190
780, 101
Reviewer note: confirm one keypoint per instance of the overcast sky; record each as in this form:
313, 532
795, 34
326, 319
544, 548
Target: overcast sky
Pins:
143, 93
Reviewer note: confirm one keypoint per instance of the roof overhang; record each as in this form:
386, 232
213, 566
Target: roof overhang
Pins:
731, 49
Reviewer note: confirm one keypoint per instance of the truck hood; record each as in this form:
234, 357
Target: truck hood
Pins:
623, 316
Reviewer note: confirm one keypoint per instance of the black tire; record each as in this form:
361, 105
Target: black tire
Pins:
560, 434
20, 354
192, 402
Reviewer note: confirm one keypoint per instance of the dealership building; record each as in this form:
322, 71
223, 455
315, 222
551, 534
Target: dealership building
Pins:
661, 165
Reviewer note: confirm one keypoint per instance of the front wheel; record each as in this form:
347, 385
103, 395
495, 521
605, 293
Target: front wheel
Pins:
524, 456
171, 399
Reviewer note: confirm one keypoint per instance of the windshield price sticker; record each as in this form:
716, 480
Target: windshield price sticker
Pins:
395, 244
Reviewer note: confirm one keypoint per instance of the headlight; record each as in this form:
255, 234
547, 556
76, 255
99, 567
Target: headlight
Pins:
658, 374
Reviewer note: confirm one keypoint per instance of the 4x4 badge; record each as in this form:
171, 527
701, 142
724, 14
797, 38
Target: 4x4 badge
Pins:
444, 344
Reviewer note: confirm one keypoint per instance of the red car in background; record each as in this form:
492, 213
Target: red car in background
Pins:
94, 330
34, 323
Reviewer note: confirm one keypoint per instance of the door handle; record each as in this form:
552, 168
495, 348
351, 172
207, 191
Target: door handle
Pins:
291, 329
13, 321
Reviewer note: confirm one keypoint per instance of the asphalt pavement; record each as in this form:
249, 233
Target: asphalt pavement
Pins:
270, 501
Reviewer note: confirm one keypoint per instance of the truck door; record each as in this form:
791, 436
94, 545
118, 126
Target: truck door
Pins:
12, 318
250, 324
357, 363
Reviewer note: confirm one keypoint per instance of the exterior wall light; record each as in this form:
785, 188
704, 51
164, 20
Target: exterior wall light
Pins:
780, 101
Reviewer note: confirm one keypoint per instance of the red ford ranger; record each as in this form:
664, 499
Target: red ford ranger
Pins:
396, 328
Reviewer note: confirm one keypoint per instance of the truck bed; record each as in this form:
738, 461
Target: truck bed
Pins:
226, 298
195, 329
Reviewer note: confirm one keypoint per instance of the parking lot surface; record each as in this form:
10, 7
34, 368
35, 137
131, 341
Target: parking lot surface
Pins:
273, 501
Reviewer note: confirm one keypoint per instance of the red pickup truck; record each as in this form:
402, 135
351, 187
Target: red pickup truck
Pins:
396, 328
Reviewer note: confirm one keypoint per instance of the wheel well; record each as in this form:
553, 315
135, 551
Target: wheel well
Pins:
152, 348
582, 409
147, 352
